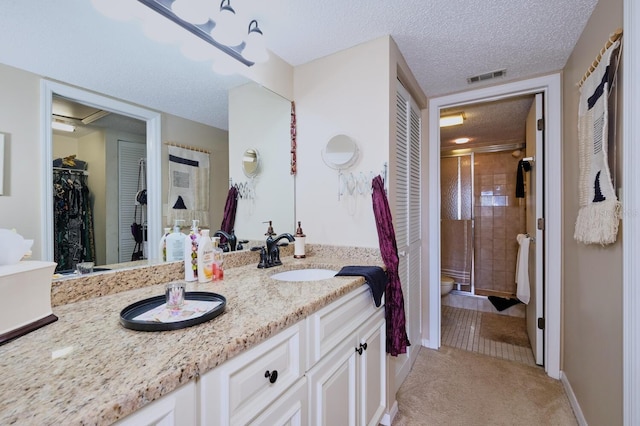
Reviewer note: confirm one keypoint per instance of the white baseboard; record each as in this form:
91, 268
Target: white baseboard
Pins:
388, 417
577, 411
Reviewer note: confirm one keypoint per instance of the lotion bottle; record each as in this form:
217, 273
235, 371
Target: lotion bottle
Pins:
218, 259
175, 243
299, 248
191, 252
163, 244
205, 257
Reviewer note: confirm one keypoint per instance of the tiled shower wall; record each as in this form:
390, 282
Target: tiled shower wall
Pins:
499, 218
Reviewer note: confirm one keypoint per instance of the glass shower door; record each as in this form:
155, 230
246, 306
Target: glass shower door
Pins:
456, 229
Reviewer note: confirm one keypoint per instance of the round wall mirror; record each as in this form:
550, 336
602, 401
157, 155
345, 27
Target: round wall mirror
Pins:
251, 162
340, 153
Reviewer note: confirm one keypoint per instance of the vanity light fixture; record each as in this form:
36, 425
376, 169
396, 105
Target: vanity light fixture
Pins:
461, 140
221, 29
228, 29
65, 127
452, 120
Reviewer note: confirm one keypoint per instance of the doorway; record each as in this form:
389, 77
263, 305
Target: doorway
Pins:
550, 87
488, 205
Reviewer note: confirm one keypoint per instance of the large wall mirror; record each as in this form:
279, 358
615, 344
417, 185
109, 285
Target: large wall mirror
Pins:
123, 134
260, 130
105, 160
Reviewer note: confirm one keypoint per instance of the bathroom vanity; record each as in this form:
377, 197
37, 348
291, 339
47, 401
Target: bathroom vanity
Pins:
313, 350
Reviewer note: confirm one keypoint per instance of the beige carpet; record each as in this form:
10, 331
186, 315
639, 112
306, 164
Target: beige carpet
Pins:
456, 387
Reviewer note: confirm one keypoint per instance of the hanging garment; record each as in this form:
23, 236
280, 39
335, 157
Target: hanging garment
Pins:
397, 339
137, 227
72, 220
229, 218
523, 166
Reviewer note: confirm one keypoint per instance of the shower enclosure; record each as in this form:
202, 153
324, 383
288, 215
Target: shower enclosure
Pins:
481, 218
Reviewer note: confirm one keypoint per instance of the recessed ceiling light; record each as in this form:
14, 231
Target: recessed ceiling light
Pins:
451, 120
461, 140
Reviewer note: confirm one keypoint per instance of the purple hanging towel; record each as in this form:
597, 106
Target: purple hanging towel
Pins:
230, 207
397, 340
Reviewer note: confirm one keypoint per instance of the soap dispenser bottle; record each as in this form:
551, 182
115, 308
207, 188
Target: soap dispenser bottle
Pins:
191, 252
205, 258
163, 244
270, 232
175, 243
299, 249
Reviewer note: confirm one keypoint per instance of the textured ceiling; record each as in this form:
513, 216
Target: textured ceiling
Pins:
489, 123
443, 41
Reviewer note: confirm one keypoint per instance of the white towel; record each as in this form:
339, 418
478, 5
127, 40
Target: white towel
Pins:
522, 269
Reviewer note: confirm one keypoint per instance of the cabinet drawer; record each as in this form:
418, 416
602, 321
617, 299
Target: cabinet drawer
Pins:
290, 409
337, 321
238, 390
175, 408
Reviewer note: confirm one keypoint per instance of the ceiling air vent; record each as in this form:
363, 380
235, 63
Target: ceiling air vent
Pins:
487, 76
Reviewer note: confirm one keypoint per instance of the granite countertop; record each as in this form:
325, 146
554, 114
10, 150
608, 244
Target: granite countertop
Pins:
86, 368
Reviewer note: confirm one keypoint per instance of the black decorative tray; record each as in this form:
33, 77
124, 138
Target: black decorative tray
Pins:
129, 316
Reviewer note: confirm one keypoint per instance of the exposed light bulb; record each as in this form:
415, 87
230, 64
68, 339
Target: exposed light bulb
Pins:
228, 29
255, 49
196, 12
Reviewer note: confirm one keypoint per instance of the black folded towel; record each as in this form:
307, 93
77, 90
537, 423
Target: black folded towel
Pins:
375, 276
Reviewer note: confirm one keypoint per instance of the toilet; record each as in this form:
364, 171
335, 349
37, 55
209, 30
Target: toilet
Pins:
446, 285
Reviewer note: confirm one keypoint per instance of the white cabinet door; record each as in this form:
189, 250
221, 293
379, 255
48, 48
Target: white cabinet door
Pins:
332, 388
241, 388
371, 371
177, 408
291, 409
348, 386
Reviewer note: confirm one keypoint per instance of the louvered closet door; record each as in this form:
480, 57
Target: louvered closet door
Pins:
407, 221
129, 155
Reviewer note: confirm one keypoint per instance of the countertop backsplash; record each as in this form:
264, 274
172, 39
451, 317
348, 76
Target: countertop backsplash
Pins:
74, 288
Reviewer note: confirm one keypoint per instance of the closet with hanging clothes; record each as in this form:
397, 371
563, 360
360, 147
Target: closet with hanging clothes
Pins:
72, 216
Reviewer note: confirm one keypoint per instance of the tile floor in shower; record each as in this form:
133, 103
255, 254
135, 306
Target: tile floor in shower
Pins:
499, 336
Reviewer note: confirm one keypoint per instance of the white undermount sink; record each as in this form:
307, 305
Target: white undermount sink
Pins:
305, 275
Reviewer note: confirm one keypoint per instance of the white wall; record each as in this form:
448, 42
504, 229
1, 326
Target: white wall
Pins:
64, 146
91, 148
592, 275
344, 93
20, 124
260, 119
